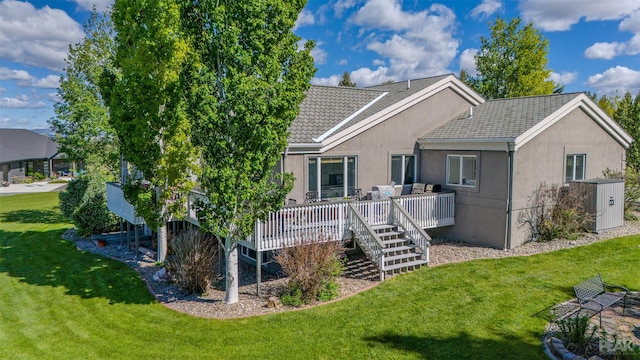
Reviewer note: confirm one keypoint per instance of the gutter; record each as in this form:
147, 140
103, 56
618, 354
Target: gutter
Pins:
509, 209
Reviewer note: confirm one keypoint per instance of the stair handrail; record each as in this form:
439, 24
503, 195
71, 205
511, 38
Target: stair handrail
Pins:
367, 238
402, 218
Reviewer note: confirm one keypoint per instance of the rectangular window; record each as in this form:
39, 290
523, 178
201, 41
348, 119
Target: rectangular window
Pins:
575, 167
462, 170
332, 177
403, 169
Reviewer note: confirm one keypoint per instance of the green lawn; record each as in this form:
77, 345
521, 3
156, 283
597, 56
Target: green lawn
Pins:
57, 302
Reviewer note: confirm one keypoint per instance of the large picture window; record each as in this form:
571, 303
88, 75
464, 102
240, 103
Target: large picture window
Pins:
403, 169
332, 177
575, 167
462, 170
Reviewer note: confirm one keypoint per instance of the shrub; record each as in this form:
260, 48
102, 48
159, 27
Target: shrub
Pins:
84, 202
191, 260
38, 176
313, 267
631, 189
555, 212
576, 333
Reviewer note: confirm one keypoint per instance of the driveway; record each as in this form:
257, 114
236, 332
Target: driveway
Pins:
36, 187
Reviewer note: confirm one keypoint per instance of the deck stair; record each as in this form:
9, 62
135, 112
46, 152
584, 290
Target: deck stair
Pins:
400, 254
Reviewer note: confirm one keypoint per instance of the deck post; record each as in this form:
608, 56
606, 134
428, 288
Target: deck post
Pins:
258, 272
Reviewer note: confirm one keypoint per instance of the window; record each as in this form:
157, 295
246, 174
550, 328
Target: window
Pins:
403, 169
332, 177
575, 167
461, 170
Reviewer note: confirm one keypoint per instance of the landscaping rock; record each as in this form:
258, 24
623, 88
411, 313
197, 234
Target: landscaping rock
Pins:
160, 275
274, 303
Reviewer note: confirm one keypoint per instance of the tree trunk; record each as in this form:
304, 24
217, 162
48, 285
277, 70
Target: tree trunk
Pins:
231, 257
162, 243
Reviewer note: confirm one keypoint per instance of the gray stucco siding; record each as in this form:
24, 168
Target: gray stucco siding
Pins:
375, 146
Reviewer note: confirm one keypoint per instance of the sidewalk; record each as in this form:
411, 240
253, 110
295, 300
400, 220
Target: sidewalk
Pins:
36, 187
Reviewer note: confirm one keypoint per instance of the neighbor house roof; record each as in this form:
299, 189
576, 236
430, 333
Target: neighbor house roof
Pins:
331, 115
501, 123
22, 144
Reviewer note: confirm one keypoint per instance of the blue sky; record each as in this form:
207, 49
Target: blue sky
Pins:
594, 45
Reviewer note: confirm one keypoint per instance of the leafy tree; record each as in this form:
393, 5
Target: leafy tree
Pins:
82, 119
147, 108
608, 104
346, 80
247, 79
512, 62
627, 114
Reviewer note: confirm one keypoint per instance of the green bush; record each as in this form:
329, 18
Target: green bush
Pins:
84, 202
576, 333
313, 268
191, 260
38, 176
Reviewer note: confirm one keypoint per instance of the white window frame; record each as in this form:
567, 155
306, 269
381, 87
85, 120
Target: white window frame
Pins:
402, 170
573, 170
345, 171
470, 184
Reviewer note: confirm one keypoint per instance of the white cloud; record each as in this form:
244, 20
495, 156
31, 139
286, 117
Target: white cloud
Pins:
379, 62
332, 80
631, 23
564, 77
319, 54
486, 9
2, 89
415, 44
468, 61
36, 37
304, 18
9, 74
101, 5
618, 79
366, 77
55, 97
342, 62
14, 103
604, 50
48, 82
554, 15
341, 5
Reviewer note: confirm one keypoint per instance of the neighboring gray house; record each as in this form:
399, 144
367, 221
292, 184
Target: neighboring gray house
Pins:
23, 152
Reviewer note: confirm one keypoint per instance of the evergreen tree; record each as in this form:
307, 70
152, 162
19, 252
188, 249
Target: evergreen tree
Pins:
346, 80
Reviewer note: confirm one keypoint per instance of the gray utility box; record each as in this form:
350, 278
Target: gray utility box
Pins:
605, 202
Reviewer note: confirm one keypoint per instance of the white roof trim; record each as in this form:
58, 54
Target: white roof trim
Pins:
583, 102
448, 82
341, 123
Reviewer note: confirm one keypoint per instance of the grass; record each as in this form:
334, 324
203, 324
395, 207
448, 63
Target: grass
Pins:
57, 302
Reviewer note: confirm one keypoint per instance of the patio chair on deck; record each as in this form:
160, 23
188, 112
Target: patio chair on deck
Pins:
310, 197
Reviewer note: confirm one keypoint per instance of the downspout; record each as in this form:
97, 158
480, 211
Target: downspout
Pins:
507, 235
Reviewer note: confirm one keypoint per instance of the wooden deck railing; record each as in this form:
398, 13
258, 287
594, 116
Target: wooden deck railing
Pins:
117, 204
412, 230
369, 241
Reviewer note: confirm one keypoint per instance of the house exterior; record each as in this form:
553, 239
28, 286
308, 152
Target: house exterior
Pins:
24, 152
482, 159
508, 147
492, 154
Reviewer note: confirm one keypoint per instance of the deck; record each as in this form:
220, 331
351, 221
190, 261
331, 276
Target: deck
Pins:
330, 220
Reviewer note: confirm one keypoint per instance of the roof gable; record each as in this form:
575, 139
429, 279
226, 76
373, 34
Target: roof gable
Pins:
330, 116
514, 122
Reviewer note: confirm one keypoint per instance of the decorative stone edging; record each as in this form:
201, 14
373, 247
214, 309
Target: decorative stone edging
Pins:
554, 346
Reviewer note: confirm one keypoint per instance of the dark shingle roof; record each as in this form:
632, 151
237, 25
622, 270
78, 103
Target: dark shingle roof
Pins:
326, 106
500, 118
22, 144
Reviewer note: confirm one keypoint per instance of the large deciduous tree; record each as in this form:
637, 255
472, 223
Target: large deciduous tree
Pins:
512, 62
147, 108
627, 114
247, 82
82, 120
